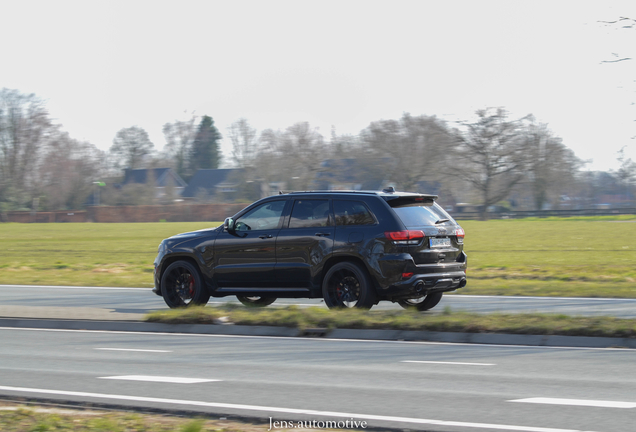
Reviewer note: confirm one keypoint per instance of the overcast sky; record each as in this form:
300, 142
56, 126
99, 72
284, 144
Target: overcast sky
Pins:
105, 65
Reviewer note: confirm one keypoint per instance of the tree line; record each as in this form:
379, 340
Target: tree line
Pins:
489, 160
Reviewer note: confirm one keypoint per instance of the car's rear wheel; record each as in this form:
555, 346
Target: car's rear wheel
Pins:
181, 285
423, 303
347, 285
256, 301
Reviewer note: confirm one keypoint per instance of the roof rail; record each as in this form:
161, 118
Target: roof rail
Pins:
333, 191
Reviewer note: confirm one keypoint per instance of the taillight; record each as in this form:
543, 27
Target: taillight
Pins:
410, 237
460, 233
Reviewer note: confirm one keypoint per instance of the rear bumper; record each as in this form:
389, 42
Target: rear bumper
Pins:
419, 285
425, 279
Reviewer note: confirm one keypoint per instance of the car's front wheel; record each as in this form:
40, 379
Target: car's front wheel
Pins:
347, 285
423, 303
181, 285
256, 301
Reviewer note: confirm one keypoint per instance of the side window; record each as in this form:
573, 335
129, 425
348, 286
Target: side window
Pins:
352, 213
309, 213
265, 216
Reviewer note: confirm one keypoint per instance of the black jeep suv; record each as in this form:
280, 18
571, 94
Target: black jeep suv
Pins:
352, 248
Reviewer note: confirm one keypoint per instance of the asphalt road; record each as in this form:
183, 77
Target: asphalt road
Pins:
417, 386
142, 300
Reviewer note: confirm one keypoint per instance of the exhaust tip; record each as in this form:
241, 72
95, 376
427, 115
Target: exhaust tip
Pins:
419, 287
462, 283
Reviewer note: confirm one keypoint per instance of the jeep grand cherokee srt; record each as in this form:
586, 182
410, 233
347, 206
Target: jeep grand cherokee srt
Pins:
351, 248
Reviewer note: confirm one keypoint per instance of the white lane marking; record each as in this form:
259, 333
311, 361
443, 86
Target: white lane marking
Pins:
163, 379
308, 412
133, 350
74, 287
448, 363
311, 340
578, 402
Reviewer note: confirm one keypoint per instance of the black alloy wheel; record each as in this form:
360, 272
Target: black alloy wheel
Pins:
181, 285
423, 303
347, 285
256, 301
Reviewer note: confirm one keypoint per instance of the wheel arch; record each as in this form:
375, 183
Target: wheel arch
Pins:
348, 258
174, 258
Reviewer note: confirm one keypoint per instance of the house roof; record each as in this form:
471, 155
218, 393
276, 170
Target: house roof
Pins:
160, 175
207, 179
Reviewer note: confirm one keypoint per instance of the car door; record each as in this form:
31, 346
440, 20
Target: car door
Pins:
356, 226
304, 244
246, 256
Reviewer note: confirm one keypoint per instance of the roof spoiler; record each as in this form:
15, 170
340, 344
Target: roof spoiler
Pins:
409, 200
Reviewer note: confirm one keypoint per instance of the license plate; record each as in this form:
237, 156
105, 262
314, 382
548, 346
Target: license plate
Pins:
440, 242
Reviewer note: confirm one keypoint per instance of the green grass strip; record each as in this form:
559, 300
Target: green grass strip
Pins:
34, 418
447, 321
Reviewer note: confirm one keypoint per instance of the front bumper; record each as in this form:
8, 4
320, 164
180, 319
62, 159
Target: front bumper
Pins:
157, 288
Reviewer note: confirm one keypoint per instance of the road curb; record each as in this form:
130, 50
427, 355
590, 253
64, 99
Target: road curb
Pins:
387, 335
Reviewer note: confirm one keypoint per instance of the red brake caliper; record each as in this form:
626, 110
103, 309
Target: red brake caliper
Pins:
191, 287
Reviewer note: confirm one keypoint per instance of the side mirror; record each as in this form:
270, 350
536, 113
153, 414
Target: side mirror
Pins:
228, 225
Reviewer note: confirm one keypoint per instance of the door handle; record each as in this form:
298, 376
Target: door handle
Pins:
265, 236
322, 234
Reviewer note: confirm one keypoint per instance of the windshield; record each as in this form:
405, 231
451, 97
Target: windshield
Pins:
418, 216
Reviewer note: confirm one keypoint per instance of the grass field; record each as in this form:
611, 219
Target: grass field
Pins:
84, 254
590, 257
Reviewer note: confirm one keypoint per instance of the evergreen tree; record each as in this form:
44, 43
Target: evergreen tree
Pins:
206, 152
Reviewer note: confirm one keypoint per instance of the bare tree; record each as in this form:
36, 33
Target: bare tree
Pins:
179, 137
620, 23
551, 168
625, 174
293, 156
24, 130
130, 146
413, 149
244, 143
493, 154
68, 172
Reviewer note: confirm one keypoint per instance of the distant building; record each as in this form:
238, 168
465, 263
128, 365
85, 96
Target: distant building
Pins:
162, 178
213, 182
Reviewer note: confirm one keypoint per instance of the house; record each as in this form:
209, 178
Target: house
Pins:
213, 182
162, 177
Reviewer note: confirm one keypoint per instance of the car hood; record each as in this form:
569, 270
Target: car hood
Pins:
192, 234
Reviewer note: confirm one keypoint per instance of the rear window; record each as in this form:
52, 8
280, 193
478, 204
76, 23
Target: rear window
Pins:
417, 216
352, 213
309, 214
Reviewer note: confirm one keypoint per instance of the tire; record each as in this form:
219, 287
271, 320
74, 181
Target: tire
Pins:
181, 285
347, 285
423, 303
256, 301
